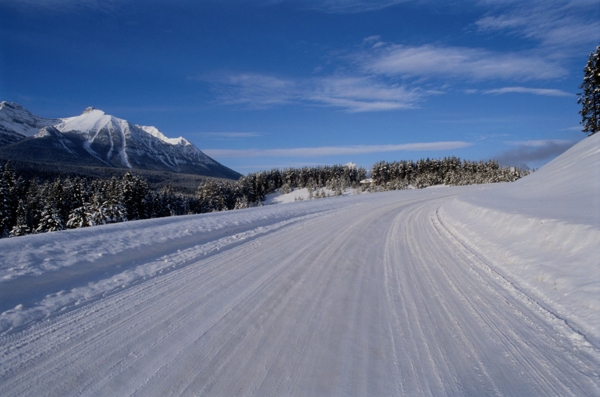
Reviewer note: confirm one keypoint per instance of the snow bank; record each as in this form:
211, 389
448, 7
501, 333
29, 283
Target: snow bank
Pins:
543, 232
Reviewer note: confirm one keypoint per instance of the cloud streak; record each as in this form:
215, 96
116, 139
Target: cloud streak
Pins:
346, 6
65, 6
553, 23
363, 94
525, 90
533, 151
351, 94
336, 150
255, 90
441, 62
229, 135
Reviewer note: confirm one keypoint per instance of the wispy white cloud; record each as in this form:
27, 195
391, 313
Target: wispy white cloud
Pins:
553, 23
525, 152
346, 6
62, 6
336, 150
229, 135
352, 94
363, 94
523, 90
540, 142
443, 62
473, 120
254, 89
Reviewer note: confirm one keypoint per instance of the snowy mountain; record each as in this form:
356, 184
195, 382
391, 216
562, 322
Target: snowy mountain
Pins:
97, 139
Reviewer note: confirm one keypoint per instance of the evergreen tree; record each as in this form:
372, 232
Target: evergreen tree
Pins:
9, 198
590, 97
210, 197
21, 227
50, 220
133, 192
104, 212
80, 217
241, 202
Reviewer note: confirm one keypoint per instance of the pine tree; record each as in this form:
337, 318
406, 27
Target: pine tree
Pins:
590, 97
50, 220
210, 197
21, 227
80, 217
8, 199
133, 192
241, 202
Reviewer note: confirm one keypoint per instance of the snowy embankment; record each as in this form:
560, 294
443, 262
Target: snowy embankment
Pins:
543, 233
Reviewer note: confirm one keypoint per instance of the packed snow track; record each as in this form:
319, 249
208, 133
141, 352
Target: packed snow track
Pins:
370, 295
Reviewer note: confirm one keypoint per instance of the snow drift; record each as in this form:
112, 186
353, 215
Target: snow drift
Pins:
543, 232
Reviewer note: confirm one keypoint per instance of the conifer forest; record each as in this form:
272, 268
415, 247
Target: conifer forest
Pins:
31, 206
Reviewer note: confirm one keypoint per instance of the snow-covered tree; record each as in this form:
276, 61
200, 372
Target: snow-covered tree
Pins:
8, 199
590, 97
80, 217
210, 197
50, 219
21, 227
134, 191
241, 202
105, 212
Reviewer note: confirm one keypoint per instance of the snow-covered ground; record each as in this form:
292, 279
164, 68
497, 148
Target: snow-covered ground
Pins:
478, 290
304, 194
543, 231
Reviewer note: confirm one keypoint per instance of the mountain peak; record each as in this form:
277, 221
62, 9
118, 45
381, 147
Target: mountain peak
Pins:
91, 109
12, 105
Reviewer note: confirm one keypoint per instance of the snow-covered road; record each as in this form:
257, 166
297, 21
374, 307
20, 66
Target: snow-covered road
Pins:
366, 295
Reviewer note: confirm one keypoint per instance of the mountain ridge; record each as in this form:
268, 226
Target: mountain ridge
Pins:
95, 138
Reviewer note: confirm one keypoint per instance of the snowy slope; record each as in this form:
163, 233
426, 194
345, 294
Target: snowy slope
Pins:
455, 291
99, 138
566, 189
544, 231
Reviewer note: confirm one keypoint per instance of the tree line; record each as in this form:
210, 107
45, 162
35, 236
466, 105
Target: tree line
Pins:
30, 206
451, 171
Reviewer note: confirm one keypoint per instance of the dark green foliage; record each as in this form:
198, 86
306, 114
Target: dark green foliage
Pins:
134, 195
9, 198
265, 182
590, 97
74, 202
48, 172
50, 219
448, 171
21, 226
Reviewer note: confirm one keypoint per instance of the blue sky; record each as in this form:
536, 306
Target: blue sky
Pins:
258, 84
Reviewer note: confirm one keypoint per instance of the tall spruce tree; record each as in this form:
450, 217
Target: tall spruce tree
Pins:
590, 97
50, 219
8, 199
21, 227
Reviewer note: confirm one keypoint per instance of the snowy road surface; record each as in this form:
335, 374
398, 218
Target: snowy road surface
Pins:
365, 295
